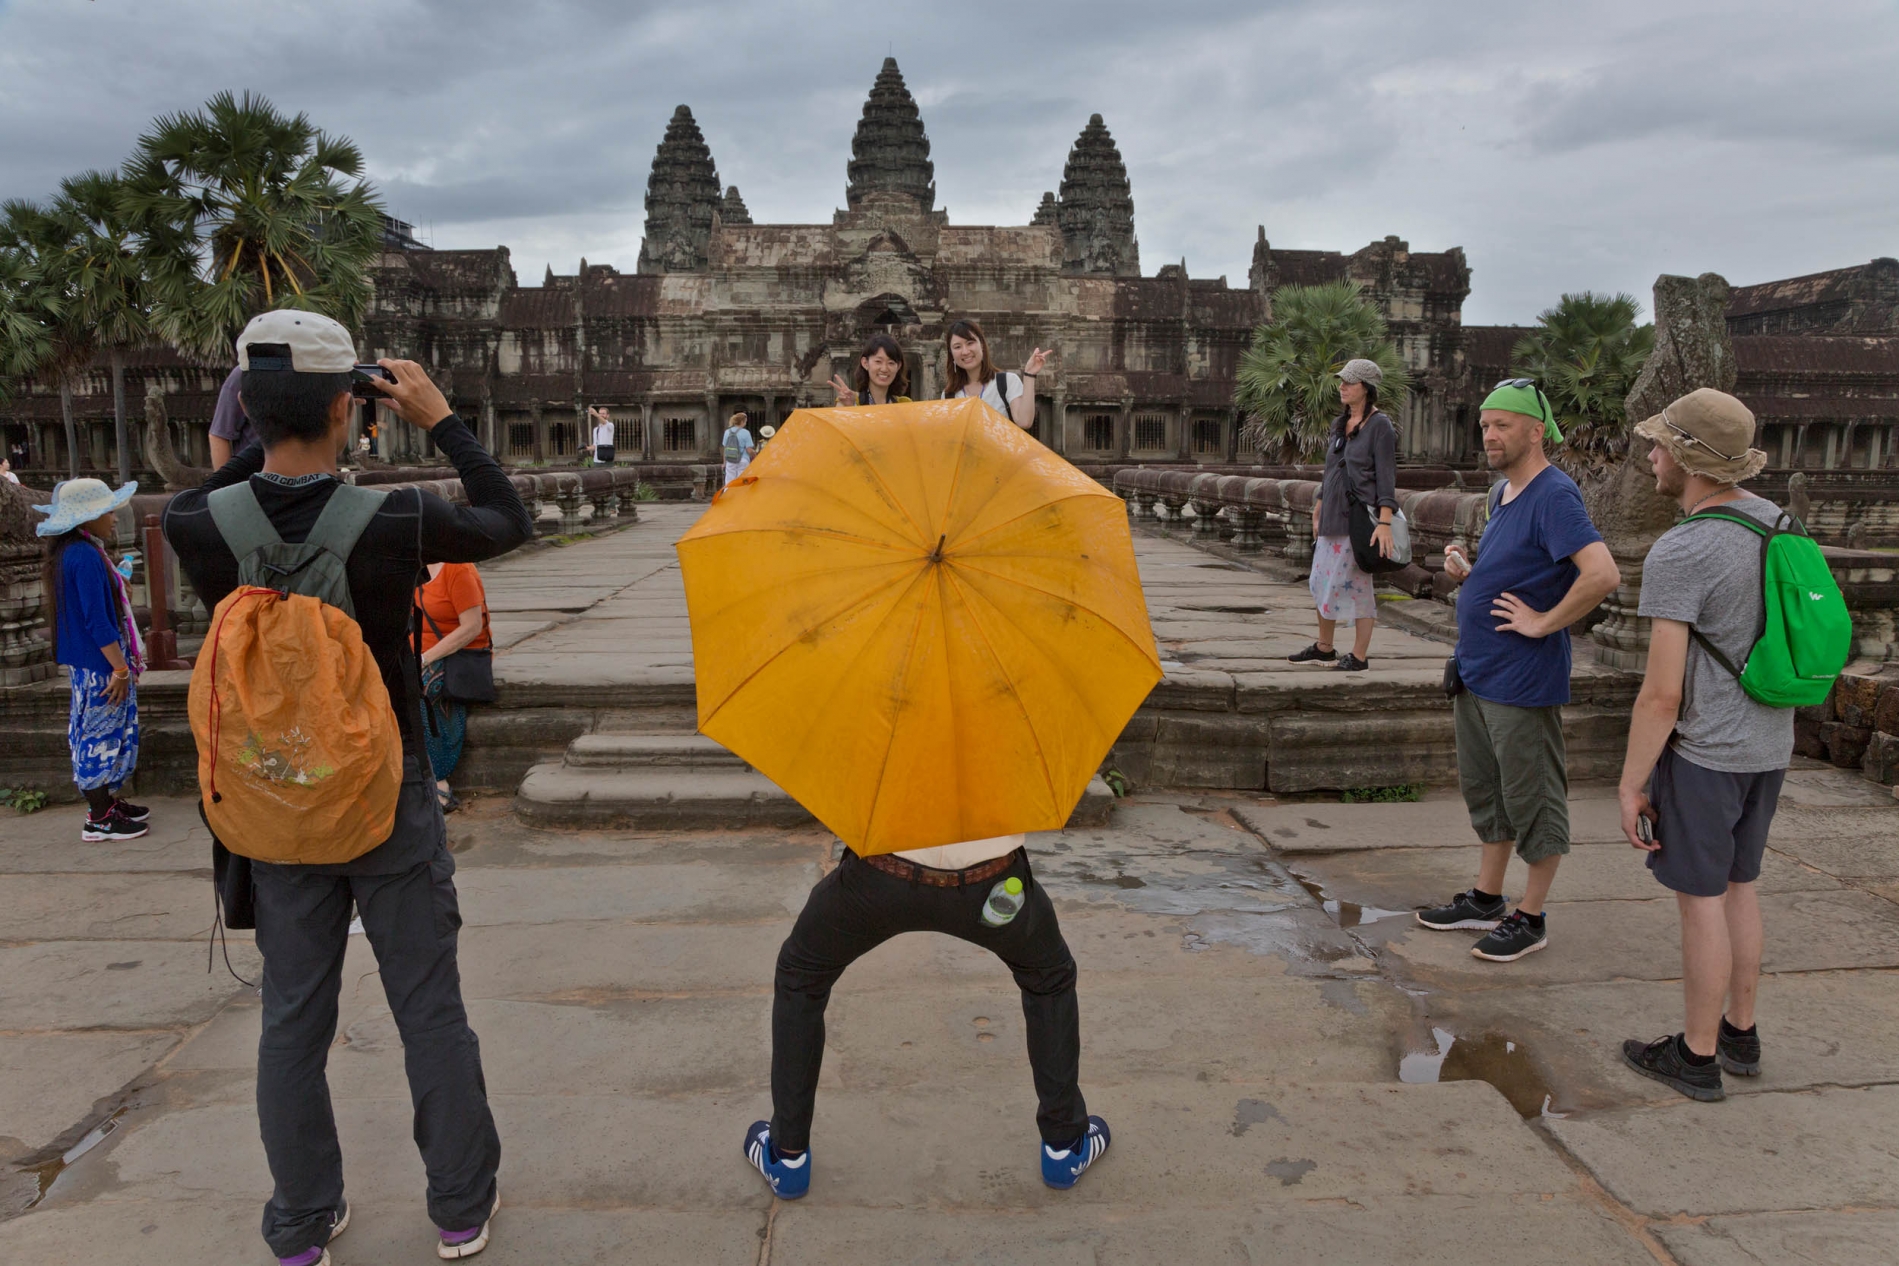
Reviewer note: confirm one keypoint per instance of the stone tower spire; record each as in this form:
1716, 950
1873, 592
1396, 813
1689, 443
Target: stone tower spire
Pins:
732, 209
681, 195
1049, 212
1097, 208
890, 152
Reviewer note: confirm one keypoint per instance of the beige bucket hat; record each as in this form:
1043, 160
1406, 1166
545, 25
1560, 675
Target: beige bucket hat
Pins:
1710, 433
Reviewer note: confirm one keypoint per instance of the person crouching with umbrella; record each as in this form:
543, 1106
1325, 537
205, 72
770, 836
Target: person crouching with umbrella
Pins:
892, 649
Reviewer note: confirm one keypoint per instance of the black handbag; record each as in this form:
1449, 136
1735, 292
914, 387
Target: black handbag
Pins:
468, 676
1363, 551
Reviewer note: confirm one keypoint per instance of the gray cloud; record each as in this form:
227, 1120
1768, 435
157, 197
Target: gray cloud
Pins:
1591, 145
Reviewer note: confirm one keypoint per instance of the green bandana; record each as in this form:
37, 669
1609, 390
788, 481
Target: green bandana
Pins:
1531, 403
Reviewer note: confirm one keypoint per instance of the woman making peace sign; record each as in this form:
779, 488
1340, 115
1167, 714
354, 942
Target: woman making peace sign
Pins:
972, 373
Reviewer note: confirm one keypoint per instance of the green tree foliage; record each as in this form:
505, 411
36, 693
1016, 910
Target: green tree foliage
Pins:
1288, 378
258, 211
105, 270
47, 328
1585, 353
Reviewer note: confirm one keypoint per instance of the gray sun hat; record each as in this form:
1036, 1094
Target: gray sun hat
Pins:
1361, 370
77, 501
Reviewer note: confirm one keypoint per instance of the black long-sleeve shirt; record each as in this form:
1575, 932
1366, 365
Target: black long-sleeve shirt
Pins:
412, 529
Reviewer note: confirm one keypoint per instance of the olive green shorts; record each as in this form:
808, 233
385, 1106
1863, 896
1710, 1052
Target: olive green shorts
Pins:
1515, 775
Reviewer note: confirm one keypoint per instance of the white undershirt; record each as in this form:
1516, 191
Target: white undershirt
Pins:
968, 853
602, 433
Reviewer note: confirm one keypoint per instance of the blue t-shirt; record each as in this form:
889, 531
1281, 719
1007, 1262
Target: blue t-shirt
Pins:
1524, 551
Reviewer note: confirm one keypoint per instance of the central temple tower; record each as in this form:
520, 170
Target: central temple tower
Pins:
891, 151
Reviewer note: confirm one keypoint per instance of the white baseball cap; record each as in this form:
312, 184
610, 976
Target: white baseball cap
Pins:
318, 345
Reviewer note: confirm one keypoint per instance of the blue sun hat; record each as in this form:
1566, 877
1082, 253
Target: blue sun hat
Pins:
77, 501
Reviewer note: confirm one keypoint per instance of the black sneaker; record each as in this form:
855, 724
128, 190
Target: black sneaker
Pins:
1350, 663
1311, 653
111, 827
1465, 911
1661, 1060
1511, 939
1738, 1052
131, 812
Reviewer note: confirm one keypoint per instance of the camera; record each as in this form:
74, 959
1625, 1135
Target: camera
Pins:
362, 379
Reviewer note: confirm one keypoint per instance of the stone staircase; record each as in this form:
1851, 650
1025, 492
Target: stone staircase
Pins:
672, 782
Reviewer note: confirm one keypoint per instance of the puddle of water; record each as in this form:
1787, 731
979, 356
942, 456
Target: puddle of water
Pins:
1347, 914
48, 1172
1489, 1057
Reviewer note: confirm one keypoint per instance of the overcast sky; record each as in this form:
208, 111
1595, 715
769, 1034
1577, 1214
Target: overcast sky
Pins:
1584, 145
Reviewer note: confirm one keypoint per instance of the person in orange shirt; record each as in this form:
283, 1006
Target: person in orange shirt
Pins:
454, 620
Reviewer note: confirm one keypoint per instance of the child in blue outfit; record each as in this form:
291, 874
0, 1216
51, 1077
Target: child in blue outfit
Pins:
97, 640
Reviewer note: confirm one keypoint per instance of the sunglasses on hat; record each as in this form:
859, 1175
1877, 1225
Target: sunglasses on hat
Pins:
1689, 438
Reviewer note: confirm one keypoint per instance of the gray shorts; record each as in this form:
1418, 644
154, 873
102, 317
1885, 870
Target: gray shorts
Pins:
1514, 774
1713, 825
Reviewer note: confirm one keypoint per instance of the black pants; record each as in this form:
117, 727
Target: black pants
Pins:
411, 919
856, 908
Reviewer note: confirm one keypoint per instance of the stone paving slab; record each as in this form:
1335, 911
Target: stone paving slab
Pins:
1405, 879
124, 906
1641, 940
48, 1081
1438, 821
1820, 1029
1788, 1239
1826, 1149
131, 984
1376, 1231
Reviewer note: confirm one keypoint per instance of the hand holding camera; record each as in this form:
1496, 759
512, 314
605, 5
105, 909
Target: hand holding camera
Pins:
404, 386
1456, 565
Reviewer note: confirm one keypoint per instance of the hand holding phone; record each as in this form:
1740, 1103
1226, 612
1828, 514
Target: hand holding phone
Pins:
363, 379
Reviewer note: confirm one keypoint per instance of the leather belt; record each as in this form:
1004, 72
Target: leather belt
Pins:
904, 868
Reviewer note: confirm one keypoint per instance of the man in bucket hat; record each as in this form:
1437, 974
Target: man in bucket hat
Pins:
1542, 567
97, 640
1705, 760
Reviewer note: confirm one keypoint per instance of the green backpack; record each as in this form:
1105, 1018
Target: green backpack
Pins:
1806, 635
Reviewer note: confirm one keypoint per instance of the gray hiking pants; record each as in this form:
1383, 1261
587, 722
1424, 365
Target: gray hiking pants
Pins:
411, 919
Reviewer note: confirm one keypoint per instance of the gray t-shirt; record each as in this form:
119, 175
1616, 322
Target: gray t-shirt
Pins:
1709, 575
228, 420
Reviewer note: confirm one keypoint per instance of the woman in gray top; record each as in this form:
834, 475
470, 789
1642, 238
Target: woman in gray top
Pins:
1361, 463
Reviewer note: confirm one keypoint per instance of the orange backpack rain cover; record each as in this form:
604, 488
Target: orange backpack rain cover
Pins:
299, 757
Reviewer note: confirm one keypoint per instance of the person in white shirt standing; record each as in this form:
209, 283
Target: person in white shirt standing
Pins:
973, 373
737, 447
602, 445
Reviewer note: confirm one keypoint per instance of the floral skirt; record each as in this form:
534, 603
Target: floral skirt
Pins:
103, 735
1340, 589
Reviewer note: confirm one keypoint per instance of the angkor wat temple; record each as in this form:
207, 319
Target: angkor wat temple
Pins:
724, 315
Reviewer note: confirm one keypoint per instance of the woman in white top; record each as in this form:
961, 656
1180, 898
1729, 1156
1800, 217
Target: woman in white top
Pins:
972, 373
602, 446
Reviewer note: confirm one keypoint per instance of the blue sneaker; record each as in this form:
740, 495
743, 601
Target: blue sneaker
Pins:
1061, 1167
789, 1179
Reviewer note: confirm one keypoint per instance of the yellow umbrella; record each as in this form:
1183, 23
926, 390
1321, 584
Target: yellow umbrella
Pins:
919, 622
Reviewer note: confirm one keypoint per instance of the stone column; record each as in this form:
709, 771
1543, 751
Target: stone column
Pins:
647, 442
1691, 350
540, 431
1124, 429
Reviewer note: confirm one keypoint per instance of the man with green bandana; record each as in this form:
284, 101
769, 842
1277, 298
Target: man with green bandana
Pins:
1541, 566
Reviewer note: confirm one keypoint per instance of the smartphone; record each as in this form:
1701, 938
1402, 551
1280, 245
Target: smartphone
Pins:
361, 378
1644, 829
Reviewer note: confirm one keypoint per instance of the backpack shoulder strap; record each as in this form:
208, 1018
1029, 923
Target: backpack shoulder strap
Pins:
1002, 386
1746, 521
1496, 496
347, 513
241, 521
1767, 535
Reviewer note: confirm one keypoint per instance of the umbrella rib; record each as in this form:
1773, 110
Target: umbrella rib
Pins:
870, 814
1034, 509
1002, 669
773, 658
877, 475
1011, 580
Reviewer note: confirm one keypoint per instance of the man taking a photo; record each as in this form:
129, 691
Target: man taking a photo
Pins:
296, 393
1541, 567
1705, 760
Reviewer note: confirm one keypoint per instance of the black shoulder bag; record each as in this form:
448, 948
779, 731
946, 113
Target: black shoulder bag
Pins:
1364, 523
468, 676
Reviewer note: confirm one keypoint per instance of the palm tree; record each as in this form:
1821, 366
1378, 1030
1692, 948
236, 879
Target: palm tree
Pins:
251, 210
104, 267
24, 341
1287, 378
1586, 353
42, 295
